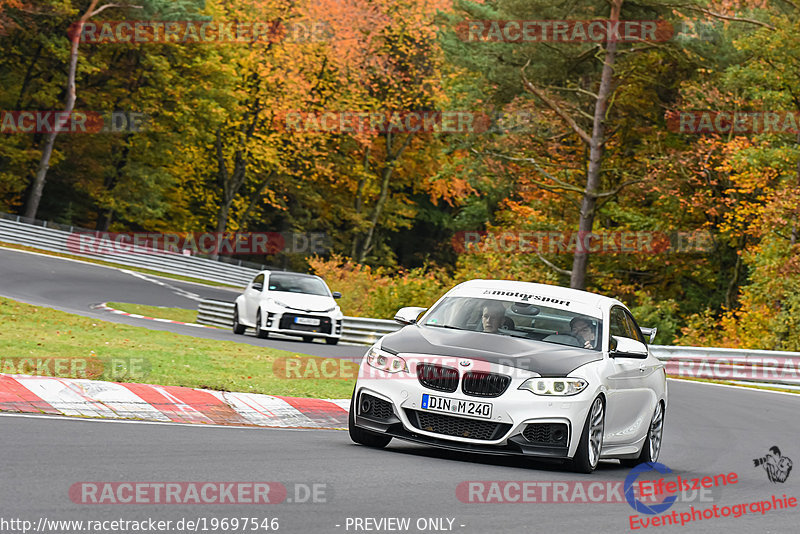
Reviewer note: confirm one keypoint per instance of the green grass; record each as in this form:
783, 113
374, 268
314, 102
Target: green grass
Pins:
109, 351
160, 312
118, 265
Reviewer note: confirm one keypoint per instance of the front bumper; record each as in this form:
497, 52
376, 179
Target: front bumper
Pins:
521, 423
283, 322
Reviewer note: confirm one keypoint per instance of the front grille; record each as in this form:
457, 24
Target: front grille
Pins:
547, 434
482, 384
374, 408
438, 377
287, 323
457, 426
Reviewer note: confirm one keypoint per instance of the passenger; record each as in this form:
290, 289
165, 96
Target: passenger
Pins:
581, 328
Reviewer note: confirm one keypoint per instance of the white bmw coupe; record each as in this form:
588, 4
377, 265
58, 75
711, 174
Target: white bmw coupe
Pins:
504, 367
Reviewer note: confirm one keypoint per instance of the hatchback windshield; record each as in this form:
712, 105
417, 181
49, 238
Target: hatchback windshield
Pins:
517, 319
297, 284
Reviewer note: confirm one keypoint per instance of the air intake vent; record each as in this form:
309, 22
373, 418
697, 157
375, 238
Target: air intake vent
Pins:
461, 427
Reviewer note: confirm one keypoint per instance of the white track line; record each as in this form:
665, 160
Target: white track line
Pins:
738, 388
164, 276
170, 423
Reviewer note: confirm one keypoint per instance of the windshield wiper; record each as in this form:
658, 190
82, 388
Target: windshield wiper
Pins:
443, 326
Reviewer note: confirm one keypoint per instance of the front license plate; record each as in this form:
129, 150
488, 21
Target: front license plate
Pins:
307, 321
457, 407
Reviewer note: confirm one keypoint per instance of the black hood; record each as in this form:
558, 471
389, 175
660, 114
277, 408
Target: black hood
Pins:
547, 359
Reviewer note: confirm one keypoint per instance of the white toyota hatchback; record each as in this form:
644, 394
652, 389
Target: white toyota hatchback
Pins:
289, 303
517, 368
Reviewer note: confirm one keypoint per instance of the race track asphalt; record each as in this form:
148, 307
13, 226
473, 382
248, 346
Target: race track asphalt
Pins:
75, 287
710, 430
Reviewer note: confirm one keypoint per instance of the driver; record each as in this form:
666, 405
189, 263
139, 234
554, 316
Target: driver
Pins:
492, 316
581, 328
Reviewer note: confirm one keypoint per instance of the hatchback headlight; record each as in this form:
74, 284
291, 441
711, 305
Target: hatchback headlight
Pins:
555, 386
384, 361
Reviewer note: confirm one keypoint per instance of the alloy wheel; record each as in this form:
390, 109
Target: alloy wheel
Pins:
656, 432
596, 426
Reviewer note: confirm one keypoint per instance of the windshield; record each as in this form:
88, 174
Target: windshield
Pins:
517, 319
297, 284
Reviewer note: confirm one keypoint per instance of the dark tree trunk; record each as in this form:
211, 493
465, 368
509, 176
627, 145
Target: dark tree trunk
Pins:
580, 261
37, 187
386, 178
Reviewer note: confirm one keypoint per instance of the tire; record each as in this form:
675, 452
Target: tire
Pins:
308, 339
588, 454
261, 334
238, 328
362, 436
652, 443
331, 340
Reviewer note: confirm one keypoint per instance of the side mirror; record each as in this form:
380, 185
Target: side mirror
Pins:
408, 315
258, 287
623, 347
649, 333
337, 295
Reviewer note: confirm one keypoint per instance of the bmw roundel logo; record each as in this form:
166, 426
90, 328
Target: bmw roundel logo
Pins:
465, 363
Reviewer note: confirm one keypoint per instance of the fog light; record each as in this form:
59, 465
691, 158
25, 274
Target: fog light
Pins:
366, 405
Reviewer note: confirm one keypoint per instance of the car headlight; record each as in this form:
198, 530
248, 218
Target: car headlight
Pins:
279, 303
555, 386
386, 362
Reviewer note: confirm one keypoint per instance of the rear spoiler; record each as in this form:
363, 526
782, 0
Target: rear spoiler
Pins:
649, 332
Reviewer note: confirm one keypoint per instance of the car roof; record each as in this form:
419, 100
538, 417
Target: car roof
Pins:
575, 295
304, 275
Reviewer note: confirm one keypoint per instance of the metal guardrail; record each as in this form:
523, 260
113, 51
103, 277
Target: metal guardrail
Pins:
45, 236
754, 367
215, 313
365, 331
757, 367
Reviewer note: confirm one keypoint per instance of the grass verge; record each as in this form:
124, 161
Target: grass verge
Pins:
43, 341
160, 312
117, 265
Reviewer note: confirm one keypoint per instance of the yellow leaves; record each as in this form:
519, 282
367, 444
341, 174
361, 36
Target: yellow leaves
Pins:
450, 190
